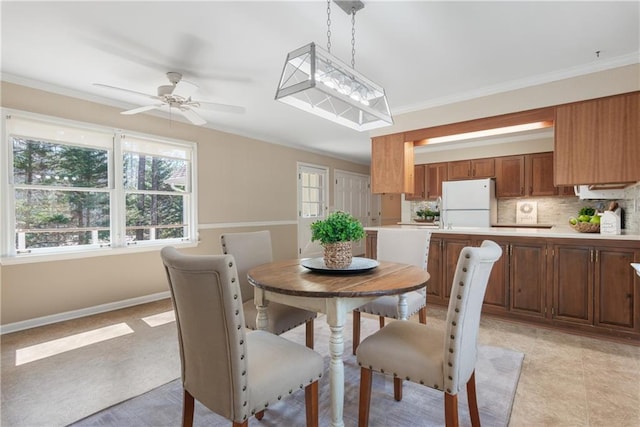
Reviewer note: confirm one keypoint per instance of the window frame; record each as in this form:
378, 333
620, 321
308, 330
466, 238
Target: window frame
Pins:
115, 188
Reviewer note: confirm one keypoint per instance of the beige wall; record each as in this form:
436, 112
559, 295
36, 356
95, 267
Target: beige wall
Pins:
595, 85
239, 180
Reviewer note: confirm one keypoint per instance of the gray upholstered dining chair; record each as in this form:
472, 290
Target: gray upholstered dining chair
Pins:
233, 373
442, 359
408, 246
251, 249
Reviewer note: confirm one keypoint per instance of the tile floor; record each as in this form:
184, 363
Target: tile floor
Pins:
566, 380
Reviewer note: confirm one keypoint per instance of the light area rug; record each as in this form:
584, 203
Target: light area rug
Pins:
497, 374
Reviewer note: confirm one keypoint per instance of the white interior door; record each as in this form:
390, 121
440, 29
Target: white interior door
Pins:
352, 195
313, 196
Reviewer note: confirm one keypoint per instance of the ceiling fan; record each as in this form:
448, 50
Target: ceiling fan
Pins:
178, 95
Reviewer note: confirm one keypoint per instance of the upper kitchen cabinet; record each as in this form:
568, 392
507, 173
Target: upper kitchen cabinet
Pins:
434, 174
539, 174
597, 141
527, 175
510, 177
471, 169
418, 184
392, 166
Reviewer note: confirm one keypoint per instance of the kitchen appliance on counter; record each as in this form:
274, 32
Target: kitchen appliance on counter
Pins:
469, 203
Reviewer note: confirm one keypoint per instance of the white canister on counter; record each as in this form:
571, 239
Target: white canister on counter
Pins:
610, 222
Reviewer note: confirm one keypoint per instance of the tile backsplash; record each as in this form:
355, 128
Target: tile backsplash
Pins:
558, 210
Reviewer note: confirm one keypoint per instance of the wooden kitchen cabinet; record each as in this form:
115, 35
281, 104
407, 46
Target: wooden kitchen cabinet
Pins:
435, 287
496, 297
527, 175
596, 141
572, 284
471, 169
582, 286
435, 174
510, 177
391, 164
539, 175
527, 277
617, 289
594, 285
451, 248
418, 184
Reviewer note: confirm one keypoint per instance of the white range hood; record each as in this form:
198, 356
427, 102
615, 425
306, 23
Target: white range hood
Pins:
588, 192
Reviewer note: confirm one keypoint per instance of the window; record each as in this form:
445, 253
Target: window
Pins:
74, 188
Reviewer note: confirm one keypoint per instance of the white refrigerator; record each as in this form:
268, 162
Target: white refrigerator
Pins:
469, 203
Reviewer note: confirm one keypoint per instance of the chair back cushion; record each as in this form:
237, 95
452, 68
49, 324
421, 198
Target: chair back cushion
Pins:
249, 250
211, 334
463, 316
408, 246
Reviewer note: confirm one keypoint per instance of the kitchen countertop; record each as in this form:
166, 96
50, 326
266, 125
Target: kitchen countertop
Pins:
558, 231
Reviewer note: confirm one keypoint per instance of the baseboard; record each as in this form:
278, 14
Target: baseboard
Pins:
69, 315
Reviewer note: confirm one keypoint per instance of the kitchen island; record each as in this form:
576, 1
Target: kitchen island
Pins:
555, 277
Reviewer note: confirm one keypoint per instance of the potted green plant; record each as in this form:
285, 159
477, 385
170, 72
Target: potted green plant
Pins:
335, 233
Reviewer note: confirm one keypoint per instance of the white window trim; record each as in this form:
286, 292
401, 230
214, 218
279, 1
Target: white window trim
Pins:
7, 223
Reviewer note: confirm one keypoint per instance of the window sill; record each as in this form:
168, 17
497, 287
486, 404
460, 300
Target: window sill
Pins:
63, 256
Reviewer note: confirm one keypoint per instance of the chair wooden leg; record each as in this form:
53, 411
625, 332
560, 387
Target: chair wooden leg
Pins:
422, 315
397, 388
381, 318
366, 377
245, 423
451, 410
259, 415
187, 409
473, 402
309, 334
311, 404
356, 331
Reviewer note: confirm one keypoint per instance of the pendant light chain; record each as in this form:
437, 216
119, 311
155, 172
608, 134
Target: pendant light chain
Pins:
329, 26
353, 38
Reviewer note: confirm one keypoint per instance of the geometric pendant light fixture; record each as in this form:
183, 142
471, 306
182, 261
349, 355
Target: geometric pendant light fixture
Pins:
315, 81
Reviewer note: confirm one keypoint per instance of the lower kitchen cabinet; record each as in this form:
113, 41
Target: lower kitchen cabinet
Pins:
594, 285
496, 297
435, 287
616, 288
443, 259
572, 284
584, 286
527, 277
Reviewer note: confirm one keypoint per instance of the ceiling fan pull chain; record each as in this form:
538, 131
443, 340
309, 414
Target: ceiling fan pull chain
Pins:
353, 38
329, 26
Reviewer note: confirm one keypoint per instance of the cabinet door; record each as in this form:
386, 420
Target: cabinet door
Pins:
451, 251
616, 295
510, 179
418, 184
496, 297
596, 141
434, 267
435, 173
459, 170
539, 172
573, 284
527, 278
391, 164
483, 168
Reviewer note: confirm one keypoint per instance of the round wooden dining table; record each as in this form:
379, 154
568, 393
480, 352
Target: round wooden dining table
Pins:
334, 293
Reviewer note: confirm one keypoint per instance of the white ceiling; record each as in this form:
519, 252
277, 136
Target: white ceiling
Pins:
424, 53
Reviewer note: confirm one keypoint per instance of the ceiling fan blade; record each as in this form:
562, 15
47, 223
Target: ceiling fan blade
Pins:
184, 89
221, 107
141, 109
146, 95
192, 116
